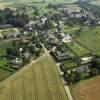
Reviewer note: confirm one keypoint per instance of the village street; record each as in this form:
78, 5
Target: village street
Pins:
64, 83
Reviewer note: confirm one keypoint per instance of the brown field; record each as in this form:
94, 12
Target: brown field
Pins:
87, 90
2, 6
40, 81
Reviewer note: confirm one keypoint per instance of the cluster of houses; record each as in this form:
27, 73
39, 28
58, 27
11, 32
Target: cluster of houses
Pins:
61, 52
48, 39
27, 50
72, 13
9, 33
63, 37
81, 67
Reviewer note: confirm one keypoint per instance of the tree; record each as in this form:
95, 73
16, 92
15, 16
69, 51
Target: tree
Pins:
96, 63
8, 13
32, 49
36, 12
25, 17
2, 18
94, 72
12, 52
48, 24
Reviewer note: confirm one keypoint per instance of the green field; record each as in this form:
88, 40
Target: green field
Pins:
5, 70
3, 46
78, 49
70, 64
70, 30
40, 81
90, 37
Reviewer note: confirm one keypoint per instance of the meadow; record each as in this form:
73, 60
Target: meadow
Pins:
78, 49
90, 37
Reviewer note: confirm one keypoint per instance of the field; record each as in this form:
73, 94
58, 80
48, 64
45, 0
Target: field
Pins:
23, 1
87, 89
3, 46
70, 64
39, 81
70, 30
5, 70
95, 2
78, 49
90, 38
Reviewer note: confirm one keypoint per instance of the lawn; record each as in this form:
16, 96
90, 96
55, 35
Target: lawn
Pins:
5, 70
39, 81
70, 64
7, 31
90, 37
70, 30
4, 74
3, 46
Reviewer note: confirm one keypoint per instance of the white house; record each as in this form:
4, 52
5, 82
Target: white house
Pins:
66, 38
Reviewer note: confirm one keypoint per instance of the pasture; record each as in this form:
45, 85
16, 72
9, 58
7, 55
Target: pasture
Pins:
87, 89
40, 81
90, 37
78, 49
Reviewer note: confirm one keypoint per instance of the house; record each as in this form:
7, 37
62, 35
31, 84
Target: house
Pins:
27, 55
85, 60
60, 56
43, 19
66, 38
83, 68
16, 61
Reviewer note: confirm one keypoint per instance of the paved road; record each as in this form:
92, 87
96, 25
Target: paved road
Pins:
68, 93
65, 86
